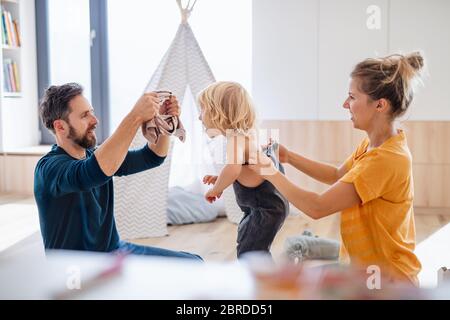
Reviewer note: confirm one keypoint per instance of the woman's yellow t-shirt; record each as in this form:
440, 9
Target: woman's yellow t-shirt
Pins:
381, 231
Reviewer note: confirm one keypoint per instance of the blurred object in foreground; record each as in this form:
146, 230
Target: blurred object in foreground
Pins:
331, 282
443, 277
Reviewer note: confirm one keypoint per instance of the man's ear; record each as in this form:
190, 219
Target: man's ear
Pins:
59, 125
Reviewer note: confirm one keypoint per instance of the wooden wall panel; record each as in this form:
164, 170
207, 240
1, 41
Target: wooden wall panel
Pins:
18, 174
2, 174
429, 141
320, 140
431, 185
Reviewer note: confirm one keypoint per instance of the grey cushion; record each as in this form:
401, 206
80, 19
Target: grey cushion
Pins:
188, 207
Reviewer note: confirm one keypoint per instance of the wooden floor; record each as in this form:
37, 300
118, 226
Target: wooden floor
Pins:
216, 241
18, 219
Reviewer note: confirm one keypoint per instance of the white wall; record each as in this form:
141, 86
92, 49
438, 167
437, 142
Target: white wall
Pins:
344, 39
20, 115
303, 57
69, 43
285, 52
422, 24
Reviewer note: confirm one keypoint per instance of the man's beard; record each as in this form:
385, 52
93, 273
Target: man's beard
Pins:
83, 141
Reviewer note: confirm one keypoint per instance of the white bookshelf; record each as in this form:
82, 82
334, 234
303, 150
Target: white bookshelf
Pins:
19, 119
12, 51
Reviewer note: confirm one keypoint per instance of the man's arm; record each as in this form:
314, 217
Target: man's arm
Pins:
111, 154
60, 175
152, 155
161, 148
138, 161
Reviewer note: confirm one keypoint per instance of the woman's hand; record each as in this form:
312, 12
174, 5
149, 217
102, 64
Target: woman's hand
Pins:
264, 167
283, 152
212, 195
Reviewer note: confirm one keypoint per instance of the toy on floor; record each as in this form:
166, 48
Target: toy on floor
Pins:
309, 246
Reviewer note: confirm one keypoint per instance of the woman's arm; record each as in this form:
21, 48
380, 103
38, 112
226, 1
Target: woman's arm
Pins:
338, 197
320, 171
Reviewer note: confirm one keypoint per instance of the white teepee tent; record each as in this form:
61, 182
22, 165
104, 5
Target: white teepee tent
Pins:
141, 199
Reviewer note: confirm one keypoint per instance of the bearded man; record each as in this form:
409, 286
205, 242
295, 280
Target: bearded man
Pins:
73, 184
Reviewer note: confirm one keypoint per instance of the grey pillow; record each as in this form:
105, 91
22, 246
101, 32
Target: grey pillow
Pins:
187, 207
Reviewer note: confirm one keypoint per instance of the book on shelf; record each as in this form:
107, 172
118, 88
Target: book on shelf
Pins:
10, 30
4, 32
11, 76
17, 33
8, 39
16, 76
6, 83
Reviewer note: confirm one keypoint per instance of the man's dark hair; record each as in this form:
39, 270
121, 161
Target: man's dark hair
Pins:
55, 103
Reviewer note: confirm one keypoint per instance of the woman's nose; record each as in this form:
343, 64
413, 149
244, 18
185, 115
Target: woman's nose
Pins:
346, 105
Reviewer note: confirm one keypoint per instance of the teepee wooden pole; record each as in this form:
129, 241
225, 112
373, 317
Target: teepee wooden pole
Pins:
185, 12
192, 7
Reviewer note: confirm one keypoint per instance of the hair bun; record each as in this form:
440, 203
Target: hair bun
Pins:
415, 60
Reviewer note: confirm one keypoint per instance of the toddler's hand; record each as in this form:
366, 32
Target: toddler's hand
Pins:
209, 179
212, 195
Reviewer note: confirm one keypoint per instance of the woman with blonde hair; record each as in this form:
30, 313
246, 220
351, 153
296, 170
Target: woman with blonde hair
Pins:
373, 188
227, 109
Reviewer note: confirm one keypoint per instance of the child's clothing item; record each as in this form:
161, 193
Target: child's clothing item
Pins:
309, 246
265, 210
163, 125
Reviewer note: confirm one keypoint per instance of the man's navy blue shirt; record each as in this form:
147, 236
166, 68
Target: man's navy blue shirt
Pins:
75, 198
